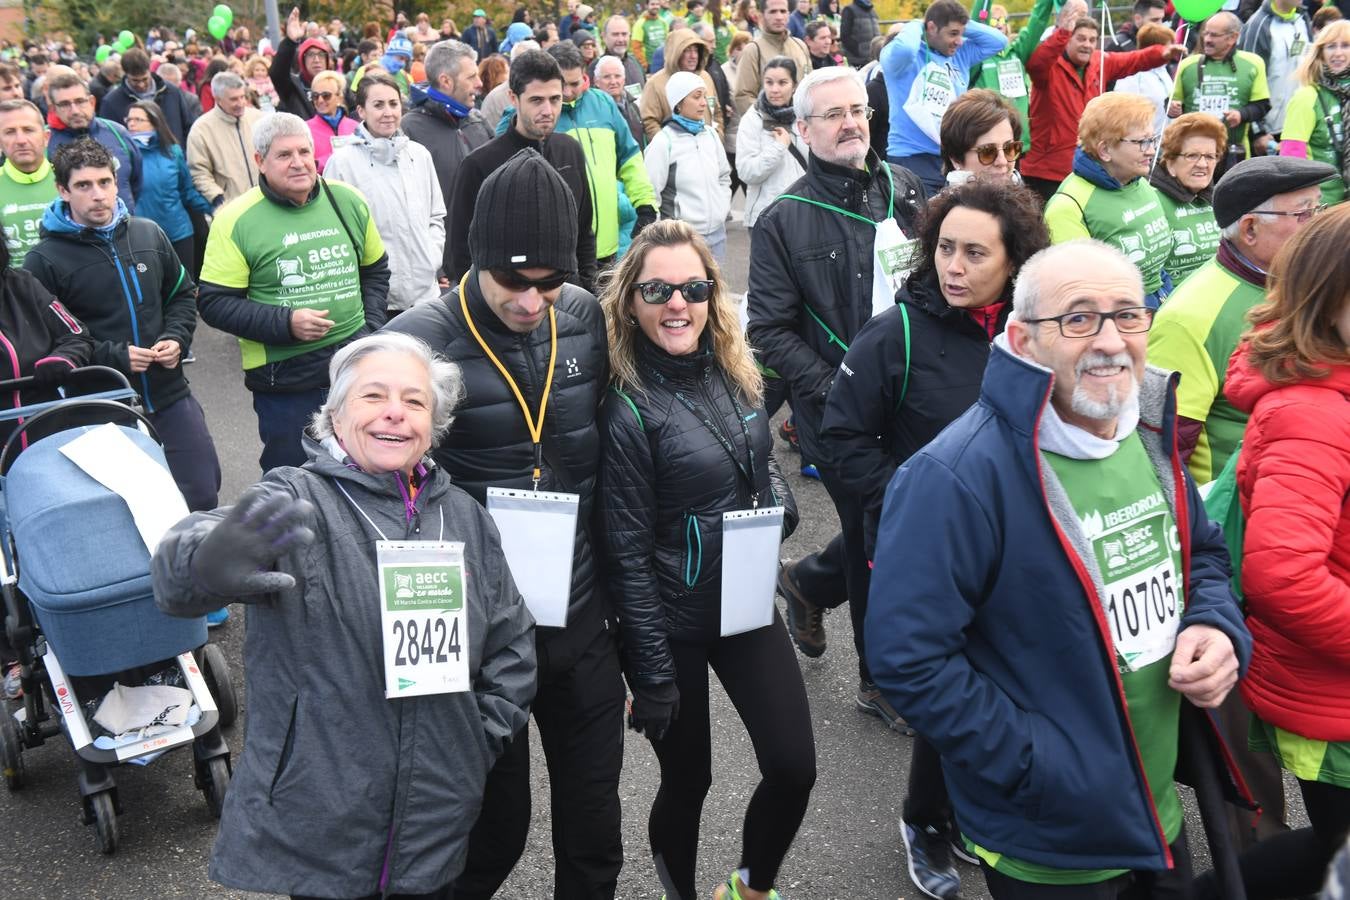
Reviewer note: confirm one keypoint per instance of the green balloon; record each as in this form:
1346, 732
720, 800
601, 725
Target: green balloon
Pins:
225, 13
126, 38
218, 28
1197, 10
102, 53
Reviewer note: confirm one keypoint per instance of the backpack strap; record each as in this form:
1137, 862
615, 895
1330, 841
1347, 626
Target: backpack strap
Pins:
904, 384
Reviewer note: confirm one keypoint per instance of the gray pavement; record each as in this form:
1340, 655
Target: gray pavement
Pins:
848, 846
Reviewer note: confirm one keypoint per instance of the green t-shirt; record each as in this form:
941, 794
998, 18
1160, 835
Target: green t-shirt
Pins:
1130, 219
1222, 85
1120, 504
1195, 333
1005, 72
1327, 762
1195, 236
649, 34
299, 257
23, 200
1314, 117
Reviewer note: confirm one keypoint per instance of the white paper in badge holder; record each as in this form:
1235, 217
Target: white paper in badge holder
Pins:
750, 543
109, 457
538, 530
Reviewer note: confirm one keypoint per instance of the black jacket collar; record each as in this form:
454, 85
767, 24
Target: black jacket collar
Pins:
276, 198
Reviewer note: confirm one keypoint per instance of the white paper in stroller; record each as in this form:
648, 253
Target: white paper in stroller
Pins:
111, 459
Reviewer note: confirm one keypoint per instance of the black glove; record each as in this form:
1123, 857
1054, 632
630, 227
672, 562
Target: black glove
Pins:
235, 558
646, 215
51, 371
653, 709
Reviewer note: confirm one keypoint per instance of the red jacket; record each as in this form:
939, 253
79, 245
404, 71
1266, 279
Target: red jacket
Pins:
1059, 94
1293, 481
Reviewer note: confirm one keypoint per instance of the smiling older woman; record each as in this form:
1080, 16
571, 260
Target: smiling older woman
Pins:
388, 653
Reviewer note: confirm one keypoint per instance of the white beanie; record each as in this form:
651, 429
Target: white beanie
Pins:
681, 85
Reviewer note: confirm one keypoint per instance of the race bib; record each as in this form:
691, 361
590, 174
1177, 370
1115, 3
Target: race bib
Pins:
1297, 47
893, 260
929, 96
1143, 597
1011, 82
1214, 98
423, 617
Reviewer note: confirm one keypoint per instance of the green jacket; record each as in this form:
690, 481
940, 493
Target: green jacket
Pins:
1313, 118
1006, 71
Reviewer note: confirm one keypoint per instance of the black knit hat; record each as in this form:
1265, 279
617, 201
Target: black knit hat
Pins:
525, 218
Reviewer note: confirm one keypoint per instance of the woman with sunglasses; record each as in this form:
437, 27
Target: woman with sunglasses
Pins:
167, 191
1108, 197
686, 441
909, 373
770, 152
981, 136
330, 118
1315, 123
1191, 149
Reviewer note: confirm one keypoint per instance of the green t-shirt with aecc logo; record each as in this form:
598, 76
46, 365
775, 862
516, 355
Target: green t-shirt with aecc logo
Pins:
23, 200
1216, 86
1325, 762
1195, 236
1314, 116
1130, 219
1121, 508
299, 257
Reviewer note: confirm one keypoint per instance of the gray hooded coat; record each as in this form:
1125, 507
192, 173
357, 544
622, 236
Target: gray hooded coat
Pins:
340, 792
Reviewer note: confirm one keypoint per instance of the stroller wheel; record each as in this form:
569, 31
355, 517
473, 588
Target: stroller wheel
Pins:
216, 671
105, 820
11, 753
217, 782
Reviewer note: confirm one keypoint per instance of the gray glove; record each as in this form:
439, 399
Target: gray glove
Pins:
235, 558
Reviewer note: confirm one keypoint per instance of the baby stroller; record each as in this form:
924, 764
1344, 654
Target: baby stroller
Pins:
79, 612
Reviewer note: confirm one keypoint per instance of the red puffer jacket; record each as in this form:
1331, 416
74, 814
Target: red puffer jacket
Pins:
1293, 481
1059, 94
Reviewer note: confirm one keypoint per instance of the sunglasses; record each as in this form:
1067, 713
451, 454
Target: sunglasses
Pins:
322, 95
519, 284
654, 292
987, 153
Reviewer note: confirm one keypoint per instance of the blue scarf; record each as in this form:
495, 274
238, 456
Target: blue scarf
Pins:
693, 126
452, 106
334, 120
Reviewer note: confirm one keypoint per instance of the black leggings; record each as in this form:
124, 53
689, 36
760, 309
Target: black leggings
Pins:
759, 672
1294, 863
926, 801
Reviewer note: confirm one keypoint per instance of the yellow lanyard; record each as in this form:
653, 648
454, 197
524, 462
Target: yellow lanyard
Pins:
536, 427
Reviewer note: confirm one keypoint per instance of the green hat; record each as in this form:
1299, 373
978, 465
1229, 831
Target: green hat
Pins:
478, 13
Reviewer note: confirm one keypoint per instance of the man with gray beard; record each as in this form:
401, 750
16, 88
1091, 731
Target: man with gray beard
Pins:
1050, 597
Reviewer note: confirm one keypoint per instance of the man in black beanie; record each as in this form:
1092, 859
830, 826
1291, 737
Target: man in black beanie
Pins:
535, 91
534, 358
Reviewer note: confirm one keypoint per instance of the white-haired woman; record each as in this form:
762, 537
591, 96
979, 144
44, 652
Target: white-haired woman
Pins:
388, 653
687, 441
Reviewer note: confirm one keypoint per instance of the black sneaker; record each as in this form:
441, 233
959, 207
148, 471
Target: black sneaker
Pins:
806, 621
928, 855
870, 701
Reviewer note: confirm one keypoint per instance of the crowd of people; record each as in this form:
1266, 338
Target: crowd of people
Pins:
1029, 297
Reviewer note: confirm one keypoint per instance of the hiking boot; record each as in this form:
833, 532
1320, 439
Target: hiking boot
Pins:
728, 890
928, 854
788, 432
870, 701
805, 620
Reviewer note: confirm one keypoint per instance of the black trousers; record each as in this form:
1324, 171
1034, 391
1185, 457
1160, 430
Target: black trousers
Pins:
926, 800
579, 712
1172, 884
1295, 863
186, 249
189, 451
760, 674
841, 564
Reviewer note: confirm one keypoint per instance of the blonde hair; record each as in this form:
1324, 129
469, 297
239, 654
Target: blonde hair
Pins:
330, 75
1109, 117
253, 62
730, 351
1312, 68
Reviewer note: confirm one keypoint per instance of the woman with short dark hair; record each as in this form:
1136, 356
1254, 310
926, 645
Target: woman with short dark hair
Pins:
981, 136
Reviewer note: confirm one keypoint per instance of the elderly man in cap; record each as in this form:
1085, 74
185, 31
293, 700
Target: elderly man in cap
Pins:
515, 327
1259, 204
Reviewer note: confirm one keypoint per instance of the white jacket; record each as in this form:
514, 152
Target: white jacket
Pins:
691, 176
399, 182
766, 166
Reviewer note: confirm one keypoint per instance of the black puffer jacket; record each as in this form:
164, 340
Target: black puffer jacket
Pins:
811, 269
665, 482
490, 445
869, 429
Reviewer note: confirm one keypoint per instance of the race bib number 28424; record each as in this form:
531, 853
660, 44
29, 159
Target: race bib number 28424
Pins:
424, 617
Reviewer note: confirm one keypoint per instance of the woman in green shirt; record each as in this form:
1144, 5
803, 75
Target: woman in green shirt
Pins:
1314, 121
1184, 178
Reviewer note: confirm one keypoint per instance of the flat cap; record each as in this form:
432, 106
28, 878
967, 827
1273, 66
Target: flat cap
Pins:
1250, 183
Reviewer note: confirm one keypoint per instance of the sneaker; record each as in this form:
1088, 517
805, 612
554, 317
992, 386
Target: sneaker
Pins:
870, 701
11, 688
728, 890
809, 470
218, 618
189, 358
788, 432
928, 855
958, 845
806, 621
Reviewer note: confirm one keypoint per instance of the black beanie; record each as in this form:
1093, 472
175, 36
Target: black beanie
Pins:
525, 218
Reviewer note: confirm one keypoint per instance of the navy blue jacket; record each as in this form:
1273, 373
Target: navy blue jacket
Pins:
985, 630
116, 140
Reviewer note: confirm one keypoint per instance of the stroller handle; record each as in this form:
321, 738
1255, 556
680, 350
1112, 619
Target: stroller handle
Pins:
100, 410
80, 374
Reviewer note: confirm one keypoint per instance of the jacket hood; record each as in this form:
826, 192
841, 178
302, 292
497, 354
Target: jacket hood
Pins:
1246, 385
313, 44
677, 43
56, 220
381, 150
327, 458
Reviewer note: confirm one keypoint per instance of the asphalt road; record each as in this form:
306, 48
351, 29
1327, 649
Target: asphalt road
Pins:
848, 846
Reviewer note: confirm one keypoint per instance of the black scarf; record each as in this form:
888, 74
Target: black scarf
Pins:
775, 116
1339, 87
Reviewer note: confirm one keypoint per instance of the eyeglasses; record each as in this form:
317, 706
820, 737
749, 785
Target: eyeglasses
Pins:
71, 104
1299, 215
1147, 143
987, 153
519, 284
836, 115
656, 292
1194, 158
322, 95
1087, 323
